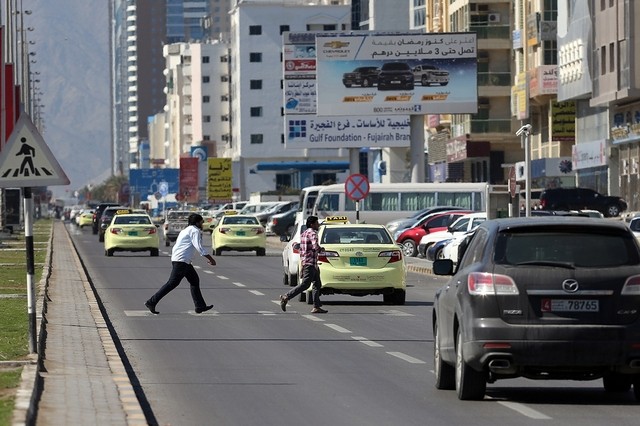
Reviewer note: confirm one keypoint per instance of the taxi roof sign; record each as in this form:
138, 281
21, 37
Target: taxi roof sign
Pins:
26, 160
335, 220
230, 212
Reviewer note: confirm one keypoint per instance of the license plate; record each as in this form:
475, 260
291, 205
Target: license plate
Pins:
240, 233
395, 81
132, 233
358, 261
570, 305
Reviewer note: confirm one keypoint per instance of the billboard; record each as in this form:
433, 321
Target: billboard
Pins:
416, 73
305, 129
146, 181
219, 180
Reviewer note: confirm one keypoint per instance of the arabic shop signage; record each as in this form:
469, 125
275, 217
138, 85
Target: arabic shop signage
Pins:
563, 121
219, 180
450, 88
585, 155
543, 80
311, 131
626, 127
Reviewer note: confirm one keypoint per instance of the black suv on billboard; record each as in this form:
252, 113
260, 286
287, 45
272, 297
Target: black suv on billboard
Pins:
361, 76
581, 199
395, 75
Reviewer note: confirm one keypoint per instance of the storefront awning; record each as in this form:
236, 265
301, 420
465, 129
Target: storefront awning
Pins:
304, 165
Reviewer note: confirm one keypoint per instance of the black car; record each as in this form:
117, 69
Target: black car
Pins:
361, 76
283, 223
581, 199
98, 213
395, 75
106, 217
542, 298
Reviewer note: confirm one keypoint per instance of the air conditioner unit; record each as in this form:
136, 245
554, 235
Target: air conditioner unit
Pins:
224, 98
224, 78
225, 118
493, 17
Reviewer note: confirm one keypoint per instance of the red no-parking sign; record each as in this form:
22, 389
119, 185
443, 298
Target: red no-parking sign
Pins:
356, 187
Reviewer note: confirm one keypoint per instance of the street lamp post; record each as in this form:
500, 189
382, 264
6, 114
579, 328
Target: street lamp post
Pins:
525, 133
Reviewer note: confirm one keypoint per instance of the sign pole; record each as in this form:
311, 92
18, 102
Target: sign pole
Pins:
358, 211
31, 292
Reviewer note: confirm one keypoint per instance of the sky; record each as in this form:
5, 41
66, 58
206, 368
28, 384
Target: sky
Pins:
72, 56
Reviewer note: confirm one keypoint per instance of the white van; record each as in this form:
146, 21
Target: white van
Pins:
308, 196
389, 201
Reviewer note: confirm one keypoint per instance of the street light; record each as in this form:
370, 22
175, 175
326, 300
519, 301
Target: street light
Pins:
525, 132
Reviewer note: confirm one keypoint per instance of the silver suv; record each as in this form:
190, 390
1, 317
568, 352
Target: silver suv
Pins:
429, 75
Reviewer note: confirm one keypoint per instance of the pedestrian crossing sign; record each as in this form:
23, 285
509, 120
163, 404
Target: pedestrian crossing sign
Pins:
26, 160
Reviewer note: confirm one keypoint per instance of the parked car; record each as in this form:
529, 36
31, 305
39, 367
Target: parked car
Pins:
541, 298
634, 225
429, 75
282, 223
410, 237
361, 76
265, 215
462, 225
580, 199
398, 224
291, 255
106, 217
395, 76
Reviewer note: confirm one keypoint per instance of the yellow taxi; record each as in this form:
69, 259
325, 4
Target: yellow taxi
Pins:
239, 232
131, 232
360, 260
85, 218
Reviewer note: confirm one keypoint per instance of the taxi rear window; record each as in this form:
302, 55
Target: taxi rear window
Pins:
239, 220
347, 235
132, 220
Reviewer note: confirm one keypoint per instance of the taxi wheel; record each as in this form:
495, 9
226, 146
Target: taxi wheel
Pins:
109, 252
101, 238
285, 279
398, 297
155, 252
218, 252
167, 243
309, 297
261, 252
303, 297
293, 280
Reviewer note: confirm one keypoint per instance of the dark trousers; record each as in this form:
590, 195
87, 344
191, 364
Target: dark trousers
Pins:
181, 270
310, 274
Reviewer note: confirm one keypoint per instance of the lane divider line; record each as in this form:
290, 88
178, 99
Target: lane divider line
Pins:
266, 313
367, 342
338, 328
240, 285
524, 410
256, 292
312, 317
406, 357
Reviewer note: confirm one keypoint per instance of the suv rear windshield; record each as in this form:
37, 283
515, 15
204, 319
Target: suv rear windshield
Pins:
580, 249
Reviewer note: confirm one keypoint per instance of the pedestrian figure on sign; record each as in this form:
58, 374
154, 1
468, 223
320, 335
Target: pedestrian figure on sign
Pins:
188, 243
29, 152
309, 249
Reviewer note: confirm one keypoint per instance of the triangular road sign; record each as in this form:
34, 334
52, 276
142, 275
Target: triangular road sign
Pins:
26, 159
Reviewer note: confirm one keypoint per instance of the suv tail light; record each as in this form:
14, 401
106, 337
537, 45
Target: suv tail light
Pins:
543, 203
631, 286
487, 284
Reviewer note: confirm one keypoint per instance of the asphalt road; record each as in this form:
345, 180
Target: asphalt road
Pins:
248, 363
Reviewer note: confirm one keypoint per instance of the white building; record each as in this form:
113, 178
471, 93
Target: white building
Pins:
256, 140
195, 114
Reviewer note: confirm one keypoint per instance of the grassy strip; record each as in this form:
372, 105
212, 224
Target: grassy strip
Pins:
14, 319
9, 381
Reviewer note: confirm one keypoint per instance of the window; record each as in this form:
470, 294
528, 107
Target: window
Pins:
206, 118
224, 58
205, 59
256, 111
256, 139
255, 84
255, 29
205, 99
255, 57
283, 181
603, 60
206, 137
612, 58
282, 138
550, 52
206, 78
284, 28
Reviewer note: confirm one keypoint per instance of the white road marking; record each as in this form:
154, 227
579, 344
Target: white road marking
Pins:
139, 314
313, 318
256, 292
406, 357
239, 284
222, 277
396, 313
266, 313
524, 410
338, 328
206, 271
367, 342
210, 313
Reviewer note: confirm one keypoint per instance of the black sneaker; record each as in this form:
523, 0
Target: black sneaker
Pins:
151, 307
283, 303
205, 309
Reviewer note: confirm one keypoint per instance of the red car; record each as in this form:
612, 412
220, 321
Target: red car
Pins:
410, 238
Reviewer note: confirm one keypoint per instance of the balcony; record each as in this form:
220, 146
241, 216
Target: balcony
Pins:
484, 32
494, 79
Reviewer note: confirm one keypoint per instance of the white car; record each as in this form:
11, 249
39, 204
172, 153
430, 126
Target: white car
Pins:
452, 248
634, 225
291, 255
461, 226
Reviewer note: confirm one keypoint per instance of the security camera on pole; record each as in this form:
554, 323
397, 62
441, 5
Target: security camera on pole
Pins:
525, 133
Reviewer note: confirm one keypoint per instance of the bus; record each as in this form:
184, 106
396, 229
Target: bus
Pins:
389, 201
